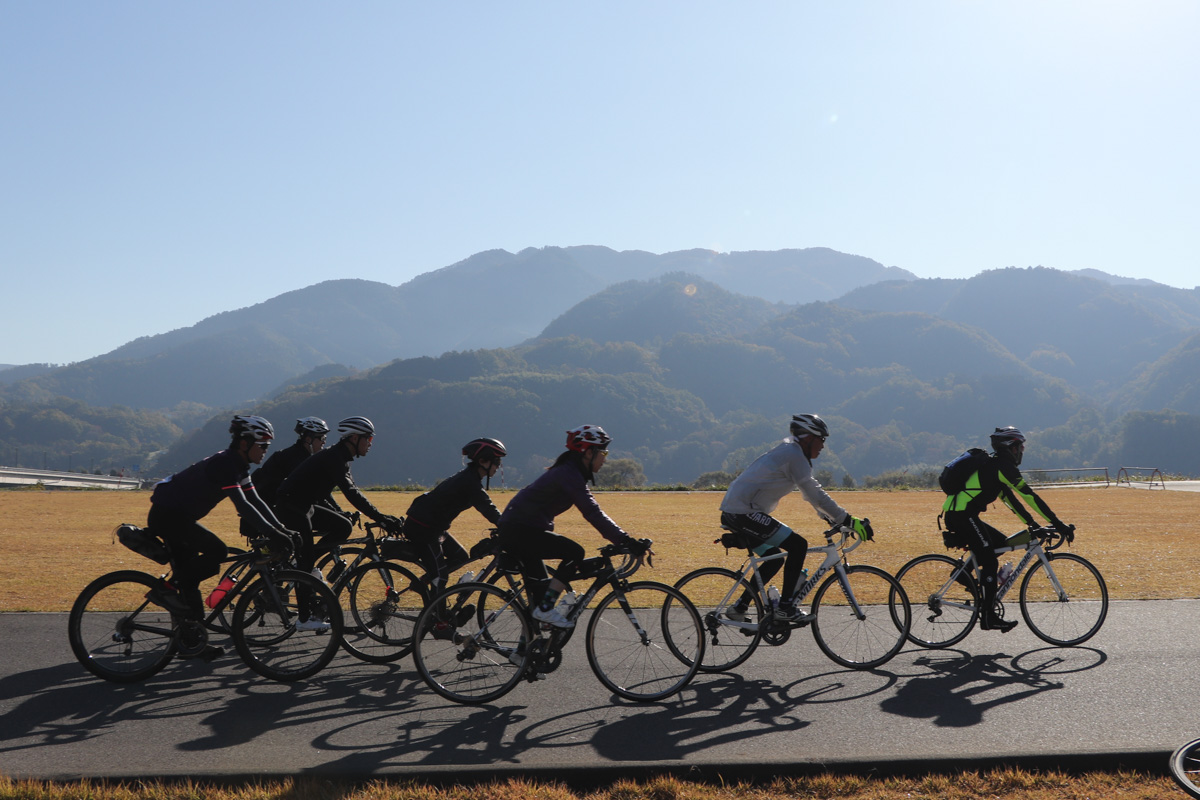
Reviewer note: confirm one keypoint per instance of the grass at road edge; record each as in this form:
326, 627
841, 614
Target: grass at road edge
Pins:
1009, 783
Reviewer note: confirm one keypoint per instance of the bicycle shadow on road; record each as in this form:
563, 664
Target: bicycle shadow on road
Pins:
959, 688
62, 705
700, 717
713, 711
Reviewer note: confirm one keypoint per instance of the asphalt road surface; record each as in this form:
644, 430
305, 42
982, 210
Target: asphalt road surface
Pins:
1128, 697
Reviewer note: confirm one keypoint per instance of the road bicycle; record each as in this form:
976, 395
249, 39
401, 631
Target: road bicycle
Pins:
1063, 597
862, 625
1185, 767
380, 598
477, 639
120, 635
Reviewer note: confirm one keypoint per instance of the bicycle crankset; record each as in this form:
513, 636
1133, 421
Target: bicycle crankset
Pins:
193, 639
775, 632
543, 657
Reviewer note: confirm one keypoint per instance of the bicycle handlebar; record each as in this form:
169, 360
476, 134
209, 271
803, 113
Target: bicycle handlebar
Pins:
846, 532
631, 563
1053, 538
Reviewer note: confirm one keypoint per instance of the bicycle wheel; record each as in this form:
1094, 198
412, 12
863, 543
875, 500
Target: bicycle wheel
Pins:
627, 641
1072, 616
509, 586
867, 637
1185, 767
381, 601
116, 632
943, 610
714, 591
465, 659
264, 626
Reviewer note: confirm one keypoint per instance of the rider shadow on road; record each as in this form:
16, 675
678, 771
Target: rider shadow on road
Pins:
62, 705
699, 718
621, 731
258, 707
961, 687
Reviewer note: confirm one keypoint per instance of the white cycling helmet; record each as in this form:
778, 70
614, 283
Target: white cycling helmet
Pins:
809, 425
586, 436
356, 426
311, 426
249, 426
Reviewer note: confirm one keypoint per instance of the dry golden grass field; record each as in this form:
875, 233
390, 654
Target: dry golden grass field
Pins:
1145, 542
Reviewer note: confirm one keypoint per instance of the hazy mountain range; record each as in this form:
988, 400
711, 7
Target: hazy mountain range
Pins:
693, 360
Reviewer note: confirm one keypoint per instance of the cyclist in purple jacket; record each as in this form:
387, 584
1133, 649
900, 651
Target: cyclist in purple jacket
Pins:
526, 528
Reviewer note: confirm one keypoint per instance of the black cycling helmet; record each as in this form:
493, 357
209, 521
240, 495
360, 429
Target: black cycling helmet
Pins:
477, 449
809, 425
249, 426
311, 426
1004, 439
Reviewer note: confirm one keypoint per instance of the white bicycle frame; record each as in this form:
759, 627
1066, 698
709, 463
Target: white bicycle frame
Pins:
1033, 548
834, 559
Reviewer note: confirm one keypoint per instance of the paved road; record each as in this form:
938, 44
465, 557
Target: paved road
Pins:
1127, 697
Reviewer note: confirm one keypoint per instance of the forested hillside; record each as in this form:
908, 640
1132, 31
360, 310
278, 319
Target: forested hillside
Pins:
688, 376
903, 391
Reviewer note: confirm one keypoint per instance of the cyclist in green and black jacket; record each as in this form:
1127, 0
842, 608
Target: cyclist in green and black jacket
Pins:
998, 476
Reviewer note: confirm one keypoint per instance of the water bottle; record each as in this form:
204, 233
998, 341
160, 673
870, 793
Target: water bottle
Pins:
567, 603
1006, 572
773, 597
218, 594
467, 577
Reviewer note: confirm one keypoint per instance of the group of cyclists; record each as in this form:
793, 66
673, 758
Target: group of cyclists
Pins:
289, 501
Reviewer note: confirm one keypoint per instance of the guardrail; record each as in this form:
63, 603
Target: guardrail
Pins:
1154, 476
20, 476
1068, 477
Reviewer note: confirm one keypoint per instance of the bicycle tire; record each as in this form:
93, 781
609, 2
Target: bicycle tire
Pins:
264, 627
943, 611
510, 587
468, 660
381, 601
872, 636
1070, 619
116, 633
635, 661
1185, 767
725, 645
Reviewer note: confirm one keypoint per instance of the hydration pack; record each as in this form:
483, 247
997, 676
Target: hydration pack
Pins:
955, 474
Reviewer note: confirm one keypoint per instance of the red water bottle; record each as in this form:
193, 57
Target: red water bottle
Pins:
218, 594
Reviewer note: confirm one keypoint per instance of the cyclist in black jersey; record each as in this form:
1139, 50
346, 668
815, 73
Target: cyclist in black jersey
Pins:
427, 521
300, 497
180, 500
998, 476
311, 432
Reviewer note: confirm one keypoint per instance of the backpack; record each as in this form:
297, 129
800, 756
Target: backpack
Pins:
955, 474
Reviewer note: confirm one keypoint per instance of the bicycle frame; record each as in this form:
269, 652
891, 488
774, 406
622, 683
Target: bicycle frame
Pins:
1033, 549
611, 576
834, 558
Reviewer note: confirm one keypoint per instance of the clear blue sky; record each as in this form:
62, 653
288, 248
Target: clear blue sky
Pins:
163, 162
